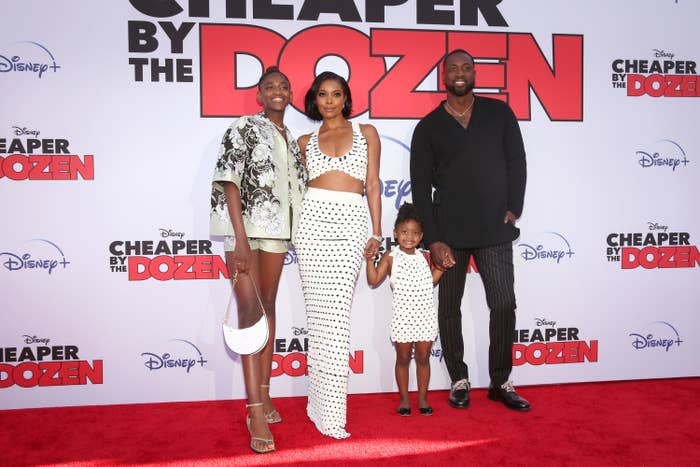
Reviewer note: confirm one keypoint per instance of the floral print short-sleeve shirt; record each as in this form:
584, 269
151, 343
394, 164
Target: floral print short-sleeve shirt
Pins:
269, 173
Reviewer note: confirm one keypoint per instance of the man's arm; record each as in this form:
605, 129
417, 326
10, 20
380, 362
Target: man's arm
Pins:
515, 165
422, 166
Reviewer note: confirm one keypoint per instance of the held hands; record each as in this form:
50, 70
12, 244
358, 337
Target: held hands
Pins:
372, 248
442, 256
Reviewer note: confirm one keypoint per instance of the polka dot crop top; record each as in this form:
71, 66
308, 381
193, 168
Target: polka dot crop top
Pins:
354, 163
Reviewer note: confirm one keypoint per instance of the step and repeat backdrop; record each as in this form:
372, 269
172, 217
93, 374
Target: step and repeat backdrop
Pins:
111, 118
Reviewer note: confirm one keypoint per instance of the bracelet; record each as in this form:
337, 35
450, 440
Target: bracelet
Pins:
378, 238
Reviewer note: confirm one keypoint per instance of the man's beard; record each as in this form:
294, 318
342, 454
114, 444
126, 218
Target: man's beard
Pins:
459, 92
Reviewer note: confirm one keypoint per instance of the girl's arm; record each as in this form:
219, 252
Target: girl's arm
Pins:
437, 274
241, 252
376, 274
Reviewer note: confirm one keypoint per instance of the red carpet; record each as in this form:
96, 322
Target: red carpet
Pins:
642, 423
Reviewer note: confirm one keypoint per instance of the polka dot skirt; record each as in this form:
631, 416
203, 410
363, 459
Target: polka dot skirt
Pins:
414, 316
330, 239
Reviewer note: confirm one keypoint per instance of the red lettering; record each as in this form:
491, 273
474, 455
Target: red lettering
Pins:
357, 362
138, 268
219, 45
93, 373
395, 94
41, 170
32, 374
43, 167
50, 374
294, 364
558, 88
160, 273
86, 167
553, 353
657, 85
483, 45
570, 352
520, 68
20, 374
71, 373
165, 267
60, 168
11, 172
184, 263
303, 51
6, 375
664, 257
588, 351
689, 86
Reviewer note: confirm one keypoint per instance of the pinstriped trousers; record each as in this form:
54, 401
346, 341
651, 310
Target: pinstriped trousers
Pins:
495, 264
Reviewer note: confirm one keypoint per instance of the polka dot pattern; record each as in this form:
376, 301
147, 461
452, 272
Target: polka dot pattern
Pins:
329, 244
414, 317
354, 163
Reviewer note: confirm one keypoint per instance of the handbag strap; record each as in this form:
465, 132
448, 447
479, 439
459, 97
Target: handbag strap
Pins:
234, 279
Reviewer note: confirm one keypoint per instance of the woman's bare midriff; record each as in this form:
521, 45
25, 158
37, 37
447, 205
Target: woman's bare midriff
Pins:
337, 181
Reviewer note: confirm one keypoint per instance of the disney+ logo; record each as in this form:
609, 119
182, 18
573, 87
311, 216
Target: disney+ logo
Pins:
47, 259
664, 339
33, 61
554, 248
171, 360
664, 153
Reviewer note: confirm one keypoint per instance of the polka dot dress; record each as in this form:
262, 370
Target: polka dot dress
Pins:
414, 317
330, 241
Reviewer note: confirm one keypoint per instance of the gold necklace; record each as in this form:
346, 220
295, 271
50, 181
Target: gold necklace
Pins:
465, 110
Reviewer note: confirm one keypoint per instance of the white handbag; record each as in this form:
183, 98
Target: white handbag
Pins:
248, 340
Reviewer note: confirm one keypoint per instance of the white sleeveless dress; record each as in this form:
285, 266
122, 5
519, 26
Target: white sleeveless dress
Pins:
414, 317
329, 242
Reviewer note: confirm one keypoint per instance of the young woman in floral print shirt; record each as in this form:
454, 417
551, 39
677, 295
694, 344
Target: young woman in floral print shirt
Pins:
257, 188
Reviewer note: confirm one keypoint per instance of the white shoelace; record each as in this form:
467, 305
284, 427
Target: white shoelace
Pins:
508, 386
461, 384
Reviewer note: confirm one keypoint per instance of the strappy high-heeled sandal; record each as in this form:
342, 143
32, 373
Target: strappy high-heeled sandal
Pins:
270, 443
274, 416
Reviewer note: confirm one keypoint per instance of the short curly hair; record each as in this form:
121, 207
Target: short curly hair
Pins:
310, 108
408, 212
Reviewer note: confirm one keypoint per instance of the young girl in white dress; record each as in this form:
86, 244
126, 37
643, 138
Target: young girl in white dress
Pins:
414, 319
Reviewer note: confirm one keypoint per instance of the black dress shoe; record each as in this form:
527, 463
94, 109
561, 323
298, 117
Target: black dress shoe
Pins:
426, 410
404, 411
459, 394
506, 394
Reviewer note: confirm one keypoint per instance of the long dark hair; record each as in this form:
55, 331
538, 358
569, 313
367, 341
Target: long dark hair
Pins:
310, 108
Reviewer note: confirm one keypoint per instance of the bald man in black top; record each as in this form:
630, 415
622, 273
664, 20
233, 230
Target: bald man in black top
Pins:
469, 150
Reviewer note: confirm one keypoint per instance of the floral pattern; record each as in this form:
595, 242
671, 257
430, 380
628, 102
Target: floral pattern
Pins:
246, 159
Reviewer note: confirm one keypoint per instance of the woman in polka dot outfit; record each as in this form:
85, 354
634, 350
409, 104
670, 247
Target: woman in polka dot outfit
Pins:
342, 159
414, 319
